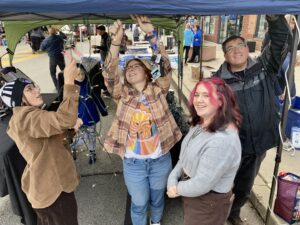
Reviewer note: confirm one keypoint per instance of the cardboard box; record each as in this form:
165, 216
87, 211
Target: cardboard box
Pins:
195, 72
208, 52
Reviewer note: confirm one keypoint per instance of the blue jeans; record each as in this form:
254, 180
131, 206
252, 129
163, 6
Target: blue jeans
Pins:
146, 181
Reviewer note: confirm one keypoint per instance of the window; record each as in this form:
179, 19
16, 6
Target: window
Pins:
261, 27
209, 25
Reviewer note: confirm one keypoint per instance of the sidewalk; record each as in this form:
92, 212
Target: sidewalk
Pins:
261, 189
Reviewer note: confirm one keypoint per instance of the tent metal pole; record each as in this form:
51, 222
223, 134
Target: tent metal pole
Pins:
283, 121
201, 50
179, 84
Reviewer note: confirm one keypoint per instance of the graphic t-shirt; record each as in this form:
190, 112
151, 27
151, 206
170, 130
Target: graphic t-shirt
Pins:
143, 138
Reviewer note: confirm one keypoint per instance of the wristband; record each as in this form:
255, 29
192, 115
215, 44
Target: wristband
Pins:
151, 34
152, 38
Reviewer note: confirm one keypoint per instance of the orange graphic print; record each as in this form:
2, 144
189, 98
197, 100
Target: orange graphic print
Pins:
143, 137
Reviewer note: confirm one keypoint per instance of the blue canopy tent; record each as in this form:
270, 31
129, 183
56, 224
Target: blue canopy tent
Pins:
38, 12
61, 8
22, 11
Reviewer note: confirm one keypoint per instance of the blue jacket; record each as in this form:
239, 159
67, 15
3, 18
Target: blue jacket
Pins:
188, 37
89, 108
198, 38
54, 44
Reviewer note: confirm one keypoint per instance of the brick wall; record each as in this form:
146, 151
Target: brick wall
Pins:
249, 26
213, 37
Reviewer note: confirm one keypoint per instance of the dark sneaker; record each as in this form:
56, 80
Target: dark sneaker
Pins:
92, 159
237, 221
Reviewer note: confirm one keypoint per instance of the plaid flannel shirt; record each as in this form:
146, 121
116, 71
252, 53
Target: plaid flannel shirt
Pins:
127, 99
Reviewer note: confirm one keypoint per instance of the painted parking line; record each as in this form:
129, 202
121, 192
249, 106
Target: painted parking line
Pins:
20, 56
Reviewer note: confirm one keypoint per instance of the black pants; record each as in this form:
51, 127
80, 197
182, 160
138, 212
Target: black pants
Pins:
62, 212
244, 181
186, 48
57, 60
35, 43
196, 52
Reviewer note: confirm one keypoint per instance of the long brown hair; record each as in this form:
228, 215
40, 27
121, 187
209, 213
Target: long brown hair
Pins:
227, 113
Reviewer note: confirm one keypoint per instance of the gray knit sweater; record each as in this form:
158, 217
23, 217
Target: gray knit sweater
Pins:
210, 159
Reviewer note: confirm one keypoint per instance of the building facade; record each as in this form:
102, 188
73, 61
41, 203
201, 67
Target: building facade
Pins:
251, 27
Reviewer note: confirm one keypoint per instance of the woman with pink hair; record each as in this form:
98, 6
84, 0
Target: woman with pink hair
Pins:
210, 155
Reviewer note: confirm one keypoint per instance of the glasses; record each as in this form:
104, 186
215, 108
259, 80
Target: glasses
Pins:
133, 67
31, 88
238, 46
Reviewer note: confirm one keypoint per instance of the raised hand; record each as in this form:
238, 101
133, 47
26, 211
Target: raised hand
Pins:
144, 22
71, 72
116, 31
78, 124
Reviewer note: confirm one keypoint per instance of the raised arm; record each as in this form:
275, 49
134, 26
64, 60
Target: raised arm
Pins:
111, 76
280, 35
43, 124
145, 24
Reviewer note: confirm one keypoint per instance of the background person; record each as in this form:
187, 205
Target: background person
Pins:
196, 44
188, 41
136, 33
36, 37
54, 45
103, 49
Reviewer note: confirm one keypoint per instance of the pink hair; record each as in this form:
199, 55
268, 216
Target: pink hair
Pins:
228, 111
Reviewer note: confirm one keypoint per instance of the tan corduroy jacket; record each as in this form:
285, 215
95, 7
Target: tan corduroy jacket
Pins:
127, 100
39, 136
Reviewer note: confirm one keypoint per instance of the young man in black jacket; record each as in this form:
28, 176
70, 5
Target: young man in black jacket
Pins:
253, 82
103, 49
105, 42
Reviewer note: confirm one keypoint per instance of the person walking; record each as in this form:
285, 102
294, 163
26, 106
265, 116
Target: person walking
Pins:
54, 45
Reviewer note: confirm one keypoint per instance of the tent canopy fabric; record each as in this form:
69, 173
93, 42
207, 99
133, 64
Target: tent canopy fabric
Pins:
64, 9
15, 30
24, 15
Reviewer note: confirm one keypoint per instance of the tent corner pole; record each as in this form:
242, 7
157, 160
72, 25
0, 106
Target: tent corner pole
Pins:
286, 104
201, 50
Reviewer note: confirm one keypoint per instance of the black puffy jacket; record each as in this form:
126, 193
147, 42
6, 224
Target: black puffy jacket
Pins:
255, 92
